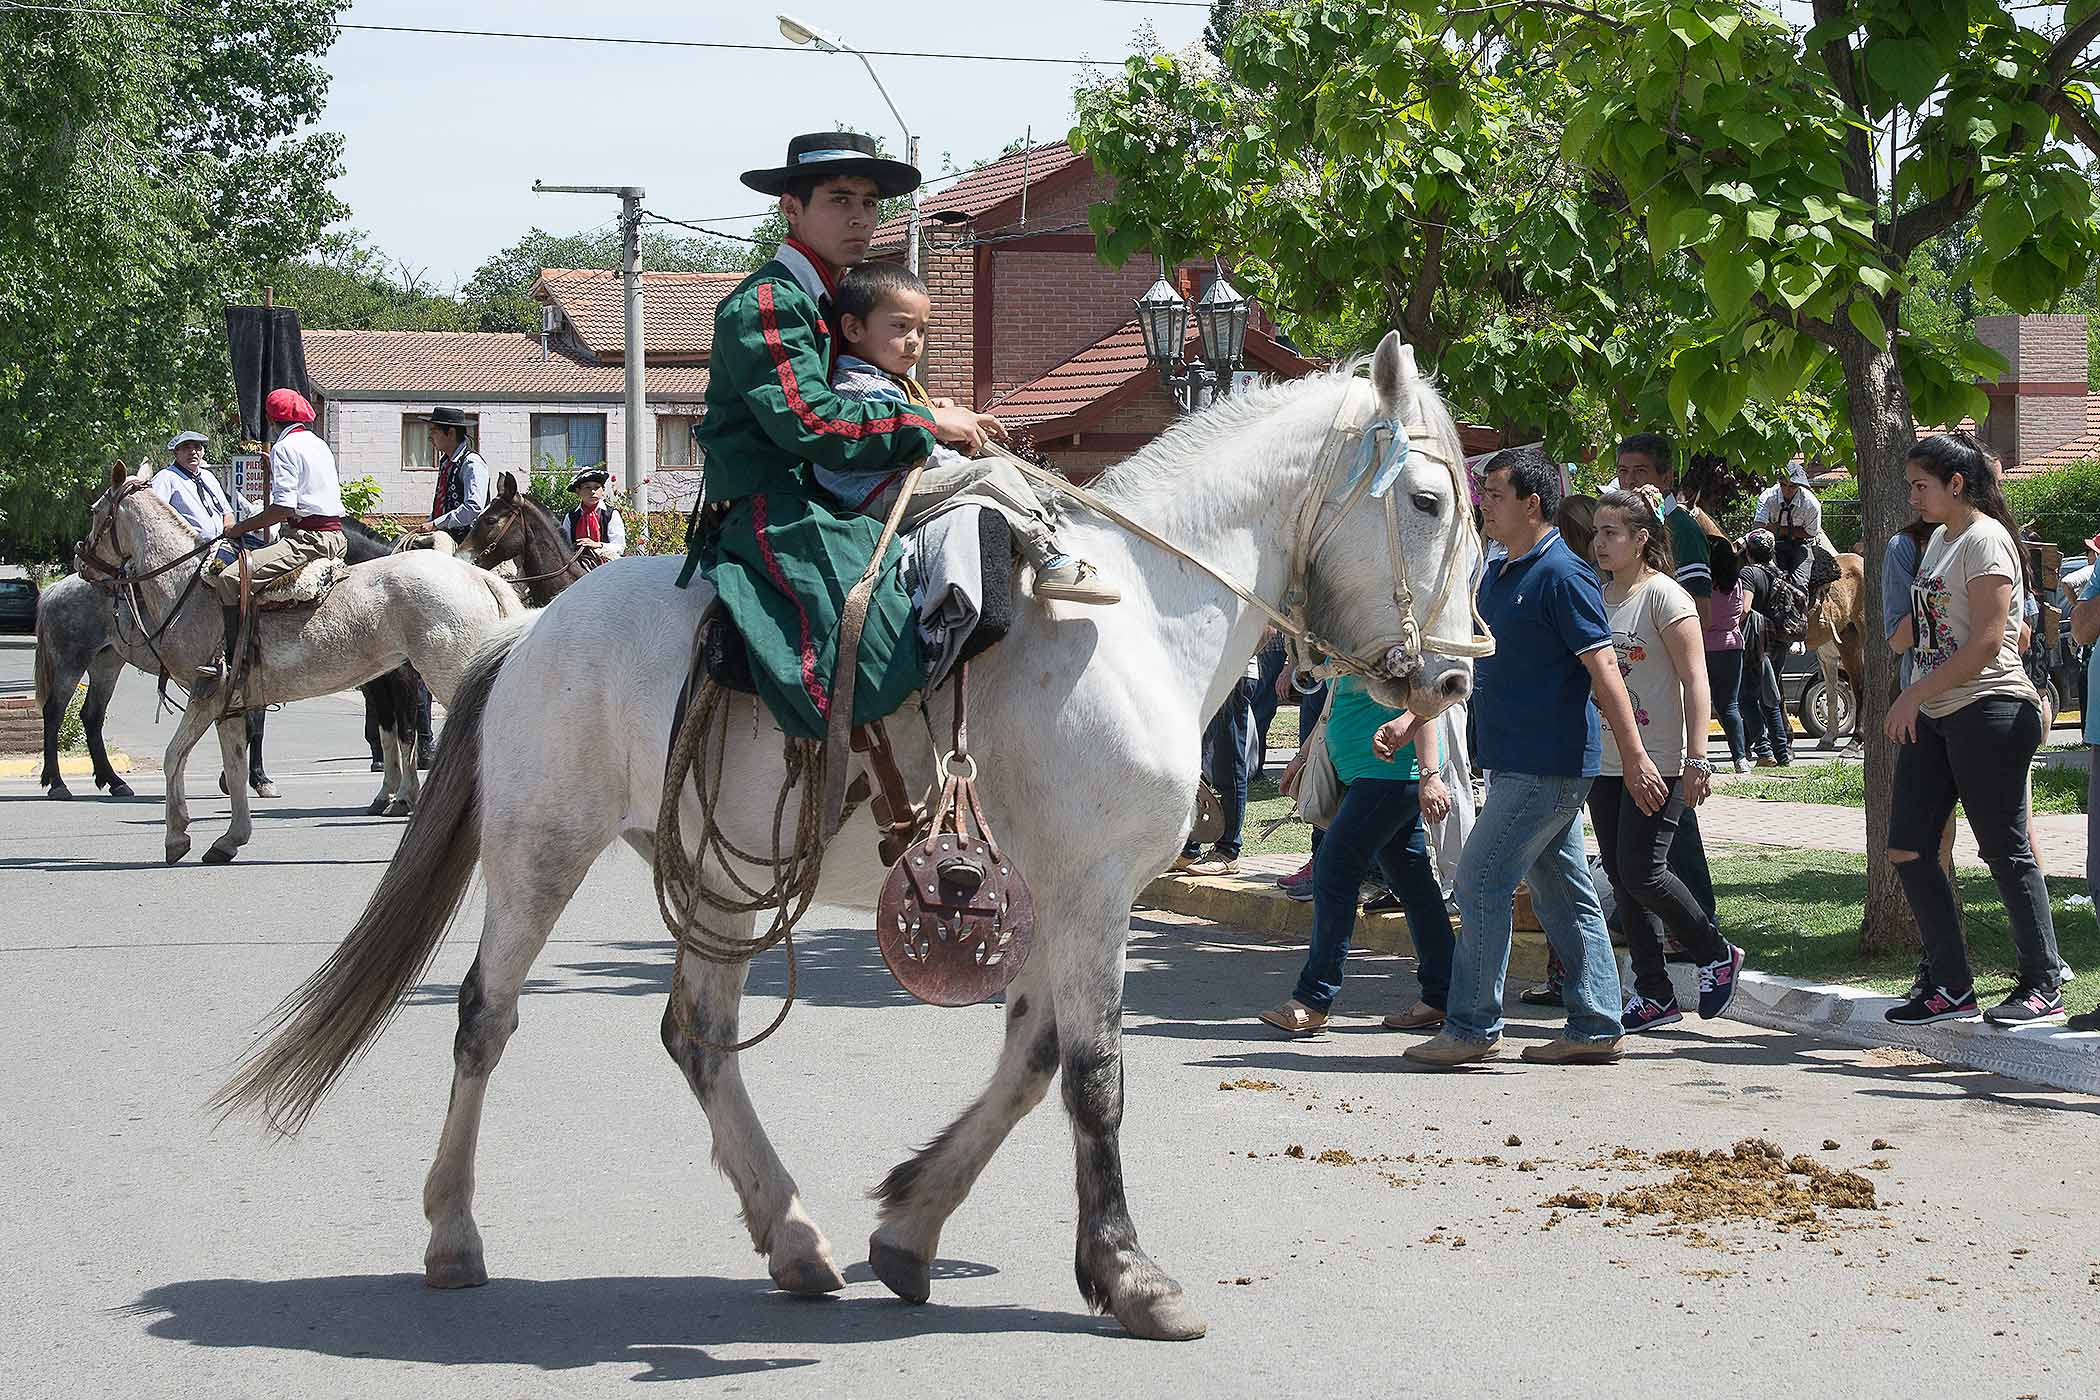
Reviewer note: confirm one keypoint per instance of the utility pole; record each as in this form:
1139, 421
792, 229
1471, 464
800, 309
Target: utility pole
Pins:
631, 276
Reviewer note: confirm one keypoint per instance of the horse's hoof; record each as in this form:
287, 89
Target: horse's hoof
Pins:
262, 787
220, 855
177, 849
119, 788
60, 793
902, 1272
377, 807
398, 808
459, 1271
808, 1278
1161, 1316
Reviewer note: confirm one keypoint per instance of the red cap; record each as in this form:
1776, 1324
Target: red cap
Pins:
288, 406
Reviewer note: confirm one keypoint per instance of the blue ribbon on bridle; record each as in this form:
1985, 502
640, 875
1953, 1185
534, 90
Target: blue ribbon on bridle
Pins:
1384, 465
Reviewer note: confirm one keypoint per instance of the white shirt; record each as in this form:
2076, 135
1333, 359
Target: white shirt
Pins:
302, 473
473, 476
197, 499
1804, 512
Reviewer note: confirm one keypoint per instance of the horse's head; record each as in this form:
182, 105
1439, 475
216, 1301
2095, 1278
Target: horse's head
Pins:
499, 531
1391, 555
112, 540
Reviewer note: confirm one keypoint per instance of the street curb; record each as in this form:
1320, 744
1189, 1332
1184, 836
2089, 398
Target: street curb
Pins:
2048, 1055
1254, 904
69, 765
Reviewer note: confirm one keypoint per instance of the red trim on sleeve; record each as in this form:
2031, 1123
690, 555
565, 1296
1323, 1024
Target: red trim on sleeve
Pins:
812, 683
769, 323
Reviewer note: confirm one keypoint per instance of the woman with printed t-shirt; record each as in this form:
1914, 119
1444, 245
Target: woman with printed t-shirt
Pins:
1967, 726
1662, 658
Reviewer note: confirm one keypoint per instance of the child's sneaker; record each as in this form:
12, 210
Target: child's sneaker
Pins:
1074, 581
2026, 1006
1645, 1015
1939, 1004
1717, 983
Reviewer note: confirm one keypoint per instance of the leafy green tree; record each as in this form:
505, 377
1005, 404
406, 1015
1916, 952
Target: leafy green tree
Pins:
151, 166
348, 284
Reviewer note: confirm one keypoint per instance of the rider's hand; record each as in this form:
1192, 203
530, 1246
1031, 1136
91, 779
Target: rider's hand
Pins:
966, 428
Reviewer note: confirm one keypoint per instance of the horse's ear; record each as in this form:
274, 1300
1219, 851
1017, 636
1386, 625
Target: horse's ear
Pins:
506, 486
1393, 372
119, 473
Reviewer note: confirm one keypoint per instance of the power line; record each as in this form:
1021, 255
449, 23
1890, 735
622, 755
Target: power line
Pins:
586, 38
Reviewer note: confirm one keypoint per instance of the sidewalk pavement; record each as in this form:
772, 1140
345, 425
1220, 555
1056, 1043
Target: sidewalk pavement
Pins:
1744, 821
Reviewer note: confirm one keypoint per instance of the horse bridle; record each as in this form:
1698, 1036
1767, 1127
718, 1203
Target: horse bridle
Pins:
115, 576
517, 517
1352, 446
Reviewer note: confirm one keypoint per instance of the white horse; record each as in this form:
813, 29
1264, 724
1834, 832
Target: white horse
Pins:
1095, 718
422, 608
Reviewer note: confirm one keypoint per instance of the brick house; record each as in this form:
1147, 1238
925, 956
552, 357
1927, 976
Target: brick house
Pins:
2041, 414
535, 400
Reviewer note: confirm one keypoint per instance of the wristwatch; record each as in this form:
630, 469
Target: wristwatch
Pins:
1699, 765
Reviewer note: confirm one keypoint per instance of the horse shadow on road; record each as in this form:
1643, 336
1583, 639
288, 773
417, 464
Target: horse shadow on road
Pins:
663, 1326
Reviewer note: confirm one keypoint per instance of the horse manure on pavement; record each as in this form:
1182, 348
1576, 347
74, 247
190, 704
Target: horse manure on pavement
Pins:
1753, 1181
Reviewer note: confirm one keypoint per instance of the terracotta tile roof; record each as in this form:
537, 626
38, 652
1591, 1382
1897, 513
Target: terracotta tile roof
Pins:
985, 188
473, 364
2082, 448
1110, 364
678, 309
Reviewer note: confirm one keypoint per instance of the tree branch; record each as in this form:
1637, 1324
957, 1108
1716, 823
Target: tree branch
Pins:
2074, 119
1822, 332
1841, 62
2069, 46
1933, 218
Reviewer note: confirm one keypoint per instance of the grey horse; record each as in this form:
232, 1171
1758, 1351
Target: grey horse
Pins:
77, 634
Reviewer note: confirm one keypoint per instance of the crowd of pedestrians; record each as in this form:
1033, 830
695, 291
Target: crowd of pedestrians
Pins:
1627, 626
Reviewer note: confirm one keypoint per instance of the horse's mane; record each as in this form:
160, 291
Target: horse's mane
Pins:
1197, 436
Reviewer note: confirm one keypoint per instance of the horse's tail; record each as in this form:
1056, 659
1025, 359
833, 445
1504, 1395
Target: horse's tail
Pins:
46, 664
508, 604
342, 1008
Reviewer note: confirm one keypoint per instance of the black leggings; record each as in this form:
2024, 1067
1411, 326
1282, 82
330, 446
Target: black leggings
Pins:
1979, 756
1636, 851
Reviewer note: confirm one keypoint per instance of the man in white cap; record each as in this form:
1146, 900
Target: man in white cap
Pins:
1794, 516
192, 490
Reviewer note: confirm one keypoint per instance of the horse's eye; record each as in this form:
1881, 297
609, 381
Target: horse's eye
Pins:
1426, 502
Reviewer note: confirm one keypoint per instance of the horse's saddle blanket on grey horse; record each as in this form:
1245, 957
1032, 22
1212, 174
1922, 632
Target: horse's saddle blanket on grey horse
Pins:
303, 589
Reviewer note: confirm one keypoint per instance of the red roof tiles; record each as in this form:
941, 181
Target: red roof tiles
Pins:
678, 309
474, 364
986, 188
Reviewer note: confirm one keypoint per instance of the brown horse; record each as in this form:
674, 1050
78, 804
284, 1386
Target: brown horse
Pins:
1837, 634
515, 529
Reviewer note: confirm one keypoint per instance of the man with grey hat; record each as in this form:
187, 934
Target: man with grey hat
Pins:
192, 490
1791, 512
463, 478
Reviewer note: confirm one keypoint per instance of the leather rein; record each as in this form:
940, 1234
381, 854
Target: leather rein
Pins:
115, 577
1355, 447
517, 518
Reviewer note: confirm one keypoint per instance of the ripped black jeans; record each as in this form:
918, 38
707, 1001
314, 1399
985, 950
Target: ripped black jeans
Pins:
1978, 756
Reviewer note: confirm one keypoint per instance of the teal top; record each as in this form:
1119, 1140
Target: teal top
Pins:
1352, 718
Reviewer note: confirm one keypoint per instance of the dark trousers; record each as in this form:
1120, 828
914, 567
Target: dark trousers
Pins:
1378, 825
1688, 861
1225, 741
1764, 724
1635, 847
1978, 756
1724, 681
1264, 703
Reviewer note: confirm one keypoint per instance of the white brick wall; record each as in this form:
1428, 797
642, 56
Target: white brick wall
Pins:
366, 438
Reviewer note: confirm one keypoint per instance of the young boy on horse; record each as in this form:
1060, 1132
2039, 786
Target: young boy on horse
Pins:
882, 313
781, 554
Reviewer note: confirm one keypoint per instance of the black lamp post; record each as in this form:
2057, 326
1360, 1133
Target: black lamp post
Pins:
1221, 331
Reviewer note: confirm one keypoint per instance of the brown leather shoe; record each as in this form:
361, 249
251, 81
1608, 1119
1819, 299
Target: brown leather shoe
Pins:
1447, 1051
1564, 1051
1419, 1017
1294, 1017
1215, 862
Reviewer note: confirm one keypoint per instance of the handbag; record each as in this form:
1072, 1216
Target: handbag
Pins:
1318, 791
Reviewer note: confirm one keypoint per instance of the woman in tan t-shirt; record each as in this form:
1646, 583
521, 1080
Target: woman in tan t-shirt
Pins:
1662, 659
1967, 727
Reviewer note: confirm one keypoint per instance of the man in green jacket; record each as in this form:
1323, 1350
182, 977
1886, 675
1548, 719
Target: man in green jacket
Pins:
782, 556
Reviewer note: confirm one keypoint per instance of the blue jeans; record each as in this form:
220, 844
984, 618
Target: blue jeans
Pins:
1379, 823
1764, 726
1225, 757
1724, 683
1530, 830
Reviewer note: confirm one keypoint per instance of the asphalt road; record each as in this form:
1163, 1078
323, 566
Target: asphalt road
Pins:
150, 1253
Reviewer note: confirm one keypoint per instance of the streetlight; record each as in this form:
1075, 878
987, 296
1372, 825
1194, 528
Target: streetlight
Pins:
796, 32
1221, 330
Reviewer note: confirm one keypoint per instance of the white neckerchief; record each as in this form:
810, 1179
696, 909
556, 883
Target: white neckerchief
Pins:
804, 271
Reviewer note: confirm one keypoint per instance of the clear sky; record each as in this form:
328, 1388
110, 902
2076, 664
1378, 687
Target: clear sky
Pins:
446, 135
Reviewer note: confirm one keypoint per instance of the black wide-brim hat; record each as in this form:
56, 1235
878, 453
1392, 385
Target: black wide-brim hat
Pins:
446, 416
828, 153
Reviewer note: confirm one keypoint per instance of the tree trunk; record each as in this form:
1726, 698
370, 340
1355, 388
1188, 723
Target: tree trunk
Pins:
1882, 434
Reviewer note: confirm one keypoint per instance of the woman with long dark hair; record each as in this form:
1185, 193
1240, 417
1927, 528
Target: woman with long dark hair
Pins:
1967, 726
1655, 629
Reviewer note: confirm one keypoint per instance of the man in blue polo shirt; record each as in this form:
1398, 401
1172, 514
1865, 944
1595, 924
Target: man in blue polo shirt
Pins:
1539, 741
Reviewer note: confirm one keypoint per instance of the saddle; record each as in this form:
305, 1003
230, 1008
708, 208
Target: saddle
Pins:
306, 588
